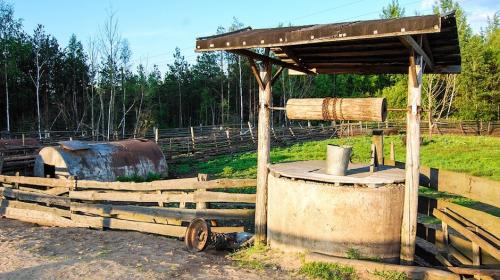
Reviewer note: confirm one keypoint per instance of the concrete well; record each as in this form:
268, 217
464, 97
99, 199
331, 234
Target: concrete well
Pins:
306, 213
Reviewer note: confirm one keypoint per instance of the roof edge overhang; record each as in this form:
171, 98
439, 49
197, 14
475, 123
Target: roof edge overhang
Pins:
321, 33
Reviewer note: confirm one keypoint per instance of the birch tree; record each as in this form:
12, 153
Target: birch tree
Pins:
9, 29
110, 40
92, 53
39, 41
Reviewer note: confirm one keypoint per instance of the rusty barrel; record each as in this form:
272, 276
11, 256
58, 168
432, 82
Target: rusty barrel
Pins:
104, 161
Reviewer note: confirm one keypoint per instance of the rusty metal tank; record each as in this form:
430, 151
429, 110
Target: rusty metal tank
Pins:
104, 161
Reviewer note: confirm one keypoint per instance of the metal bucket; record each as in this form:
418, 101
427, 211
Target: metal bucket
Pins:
337, 159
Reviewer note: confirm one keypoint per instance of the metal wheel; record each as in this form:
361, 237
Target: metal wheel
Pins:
197, 235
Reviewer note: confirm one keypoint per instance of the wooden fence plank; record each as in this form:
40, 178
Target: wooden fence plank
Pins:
102, 222
36, 181
162, 212
37, 217
484, 244
173, 184
131, 196
462, 184
165, 197
35, 197
476, 188
485, 220
459, 248
33, 206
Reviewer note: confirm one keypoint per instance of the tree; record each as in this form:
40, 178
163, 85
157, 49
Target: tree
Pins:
9, 29
92, 54
40, 41
125, 55
75, 66
180, 71
110, 40
393, 10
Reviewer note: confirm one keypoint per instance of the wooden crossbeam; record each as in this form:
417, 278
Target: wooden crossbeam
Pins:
255, 72
261, 57
410, 43
484, 244
276, 75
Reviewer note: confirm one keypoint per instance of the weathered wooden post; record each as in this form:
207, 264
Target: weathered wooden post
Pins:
263, 155
378, 140
409, 223
192, 137
251, 131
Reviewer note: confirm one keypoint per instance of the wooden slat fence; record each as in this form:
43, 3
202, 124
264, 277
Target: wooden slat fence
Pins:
162, 207
466, 237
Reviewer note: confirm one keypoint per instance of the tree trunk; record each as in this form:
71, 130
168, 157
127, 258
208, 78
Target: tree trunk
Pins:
7, 112
37, 89
123, 107
241, 94
180, 101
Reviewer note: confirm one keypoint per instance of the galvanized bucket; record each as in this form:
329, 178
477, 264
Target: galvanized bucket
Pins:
337, 159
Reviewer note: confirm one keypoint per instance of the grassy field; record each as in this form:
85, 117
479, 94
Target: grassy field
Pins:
476, 155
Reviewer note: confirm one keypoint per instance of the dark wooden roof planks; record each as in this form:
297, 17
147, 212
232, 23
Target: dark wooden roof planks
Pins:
362, 47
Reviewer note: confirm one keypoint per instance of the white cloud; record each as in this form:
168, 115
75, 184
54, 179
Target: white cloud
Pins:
427, 4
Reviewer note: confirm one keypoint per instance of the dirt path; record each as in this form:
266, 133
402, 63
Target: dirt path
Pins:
28, 251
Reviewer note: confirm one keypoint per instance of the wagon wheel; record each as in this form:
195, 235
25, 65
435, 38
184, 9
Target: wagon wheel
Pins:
197, 235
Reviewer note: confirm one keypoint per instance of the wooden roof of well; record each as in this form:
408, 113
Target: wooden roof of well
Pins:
365, 47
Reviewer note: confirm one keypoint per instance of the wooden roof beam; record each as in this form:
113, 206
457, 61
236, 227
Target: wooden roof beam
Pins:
410, 43
261, 57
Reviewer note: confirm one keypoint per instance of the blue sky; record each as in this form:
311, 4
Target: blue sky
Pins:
155, 27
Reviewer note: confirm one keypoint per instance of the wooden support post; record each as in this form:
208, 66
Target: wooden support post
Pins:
392, 154
378, 141
156, 135
263, 153
409, 223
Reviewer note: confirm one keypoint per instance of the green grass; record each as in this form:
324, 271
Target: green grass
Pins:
253, 257
328, 271
391, 275
476, 155
138, 179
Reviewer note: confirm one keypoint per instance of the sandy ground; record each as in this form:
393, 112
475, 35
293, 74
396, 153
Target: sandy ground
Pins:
29, 251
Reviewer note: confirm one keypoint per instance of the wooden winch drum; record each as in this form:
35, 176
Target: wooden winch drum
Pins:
337, 159
332, 109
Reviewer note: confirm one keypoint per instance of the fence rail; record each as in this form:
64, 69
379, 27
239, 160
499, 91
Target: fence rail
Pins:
466, 239
161, 207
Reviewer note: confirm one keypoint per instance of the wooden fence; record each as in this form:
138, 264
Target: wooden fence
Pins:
162, 207
466, 239
202, 142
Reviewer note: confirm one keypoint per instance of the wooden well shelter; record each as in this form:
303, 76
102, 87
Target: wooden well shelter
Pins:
409, 45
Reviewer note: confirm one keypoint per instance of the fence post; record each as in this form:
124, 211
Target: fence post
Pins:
23, 138
202, 178
392, 154
192, 137
378, 141
251, 132
156, 135
229, 141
